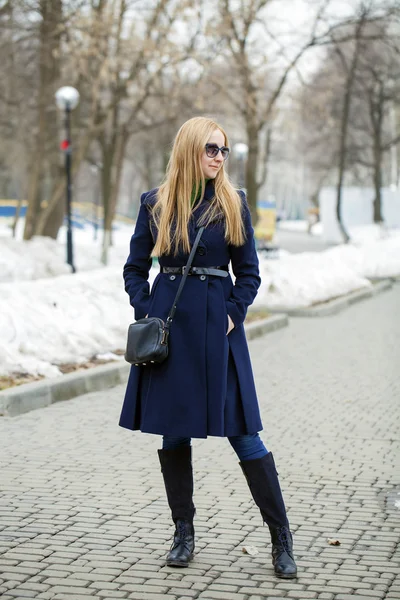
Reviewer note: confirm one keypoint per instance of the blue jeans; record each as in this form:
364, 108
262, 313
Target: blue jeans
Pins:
247, 447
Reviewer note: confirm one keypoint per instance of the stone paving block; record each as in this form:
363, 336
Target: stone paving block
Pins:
276, 597
70, 581
369, 593
100, 564
57, 560
64, 595
215, 595
111, 594
301, 594
34, 586
266, 590
18, 593
282, 584
134, 574
15, 577
58, 588
139, 595
190, 578
352, 597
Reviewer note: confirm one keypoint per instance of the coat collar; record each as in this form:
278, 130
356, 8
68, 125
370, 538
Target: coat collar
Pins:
209, 190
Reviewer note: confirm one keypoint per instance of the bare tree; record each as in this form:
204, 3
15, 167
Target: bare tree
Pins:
377, 89
252, 44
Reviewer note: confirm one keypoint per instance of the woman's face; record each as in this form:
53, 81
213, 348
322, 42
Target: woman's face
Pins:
211, 166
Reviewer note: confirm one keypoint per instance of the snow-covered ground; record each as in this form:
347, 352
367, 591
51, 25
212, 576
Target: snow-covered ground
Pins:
49, 316
44, 257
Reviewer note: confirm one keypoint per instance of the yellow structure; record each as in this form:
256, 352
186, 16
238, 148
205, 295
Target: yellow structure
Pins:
266, 225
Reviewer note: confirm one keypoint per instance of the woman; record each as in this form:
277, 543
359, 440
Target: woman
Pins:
206, 386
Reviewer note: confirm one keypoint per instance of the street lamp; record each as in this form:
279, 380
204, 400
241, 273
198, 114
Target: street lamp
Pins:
67, 98
241, 151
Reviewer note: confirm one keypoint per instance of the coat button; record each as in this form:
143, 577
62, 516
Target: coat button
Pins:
201, 251
172, 277
202, 277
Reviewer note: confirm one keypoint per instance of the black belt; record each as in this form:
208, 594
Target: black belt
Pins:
215, 271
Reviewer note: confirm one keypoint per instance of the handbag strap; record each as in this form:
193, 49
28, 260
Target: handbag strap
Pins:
183, 280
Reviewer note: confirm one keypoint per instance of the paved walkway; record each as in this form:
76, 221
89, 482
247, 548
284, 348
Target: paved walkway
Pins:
299, 241
82, 507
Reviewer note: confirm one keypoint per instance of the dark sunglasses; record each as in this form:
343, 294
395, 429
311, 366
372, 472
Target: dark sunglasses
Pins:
212, 151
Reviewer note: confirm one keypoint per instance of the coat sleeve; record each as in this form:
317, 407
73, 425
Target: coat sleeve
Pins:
138, 265
244, 261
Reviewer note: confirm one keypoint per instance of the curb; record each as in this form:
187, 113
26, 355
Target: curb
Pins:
259, 328
332, 307
39, 394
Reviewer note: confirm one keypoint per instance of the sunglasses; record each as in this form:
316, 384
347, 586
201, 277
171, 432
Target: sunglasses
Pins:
212, 151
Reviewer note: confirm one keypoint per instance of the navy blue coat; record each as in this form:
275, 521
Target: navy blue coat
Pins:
206, 386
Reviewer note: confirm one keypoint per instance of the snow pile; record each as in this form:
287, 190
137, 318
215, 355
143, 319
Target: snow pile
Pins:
35, 259
299, 280
66, 319
373, 260
365, 234
43, 257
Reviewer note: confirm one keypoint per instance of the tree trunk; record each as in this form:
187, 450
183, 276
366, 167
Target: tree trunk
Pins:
106, 174
377, 183
56, 170
55, 220
33, 199
344, 126
16, 218
113, 189
376, 115
49, 70
251, 172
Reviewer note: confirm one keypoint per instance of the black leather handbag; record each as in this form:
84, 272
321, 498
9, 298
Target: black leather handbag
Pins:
148, 338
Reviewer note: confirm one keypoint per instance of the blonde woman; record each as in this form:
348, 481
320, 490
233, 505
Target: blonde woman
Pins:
205, 387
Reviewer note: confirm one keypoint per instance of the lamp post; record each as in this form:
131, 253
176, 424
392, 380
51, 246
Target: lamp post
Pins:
67, 98
241, 151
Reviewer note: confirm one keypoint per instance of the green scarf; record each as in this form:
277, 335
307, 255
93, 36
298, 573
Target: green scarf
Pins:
193, 198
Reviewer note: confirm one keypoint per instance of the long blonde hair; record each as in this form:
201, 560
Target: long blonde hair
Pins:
183, 175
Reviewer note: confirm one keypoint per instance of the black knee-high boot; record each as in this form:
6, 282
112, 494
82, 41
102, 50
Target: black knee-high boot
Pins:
263, 482
176, 467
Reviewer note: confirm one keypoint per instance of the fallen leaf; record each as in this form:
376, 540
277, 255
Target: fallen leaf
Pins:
333, 542
252, 550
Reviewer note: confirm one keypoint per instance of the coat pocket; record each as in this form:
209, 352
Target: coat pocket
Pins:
153, 295
140, 304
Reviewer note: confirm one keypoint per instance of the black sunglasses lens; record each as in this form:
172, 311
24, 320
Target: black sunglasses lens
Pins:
212, 150
225, 153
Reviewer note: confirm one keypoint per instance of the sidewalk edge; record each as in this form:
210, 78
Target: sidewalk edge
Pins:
333, 307
39, 394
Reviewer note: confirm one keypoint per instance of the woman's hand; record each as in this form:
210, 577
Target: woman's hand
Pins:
230, 325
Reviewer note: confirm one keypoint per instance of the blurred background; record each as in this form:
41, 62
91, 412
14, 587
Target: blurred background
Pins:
308, 91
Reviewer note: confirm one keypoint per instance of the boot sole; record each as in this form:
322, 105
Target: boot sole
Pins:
177, 563
286, 576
